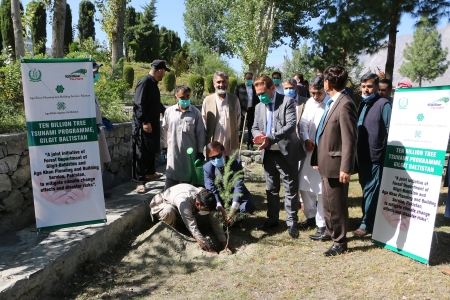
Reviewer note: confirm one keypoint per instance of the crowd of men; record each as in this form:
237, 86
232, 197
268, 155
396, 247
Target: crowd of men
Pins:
311, 136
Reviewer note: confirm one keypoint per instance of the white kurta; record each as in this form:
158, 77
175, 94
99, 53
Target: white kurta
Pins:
180, 131
309, 179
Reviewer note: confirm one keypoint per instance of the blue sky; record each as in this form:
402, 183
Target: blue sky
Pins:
170, 15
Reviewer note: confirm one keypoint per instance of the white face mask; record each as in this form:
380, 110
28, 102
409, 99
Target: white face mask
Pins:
203, 213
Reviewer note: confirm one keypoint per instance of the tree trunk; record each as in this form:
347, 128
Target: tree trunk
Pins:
117, 34
18, 32
255, 68
59, 20
389, 69
420, 81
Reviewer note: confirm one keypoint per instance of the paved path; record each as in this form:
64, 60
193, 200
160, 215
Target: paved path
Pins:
32, 263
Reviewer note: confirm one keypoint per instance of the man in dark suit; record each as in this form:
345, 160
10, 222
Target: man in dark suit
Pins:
275, 129
247, 97
216, 154
334, 156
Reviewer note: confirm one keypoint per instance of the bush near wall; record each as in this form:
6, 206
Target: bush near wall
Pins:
128, 75
197, 85
232, 83
209, 83
168, 82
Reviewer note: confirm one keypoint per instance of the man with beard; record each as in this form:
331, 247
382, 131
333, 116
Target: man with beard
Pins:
221, 114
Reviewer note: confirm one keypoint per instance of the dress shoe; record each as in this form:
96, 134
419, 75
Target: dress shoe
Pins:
320, 235
293, 231
360, 232
266, 226
335, 250
311, 222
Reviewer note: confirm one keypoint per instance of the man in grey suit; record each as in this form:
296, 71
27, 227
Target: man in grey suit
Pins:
334, 156
274, 128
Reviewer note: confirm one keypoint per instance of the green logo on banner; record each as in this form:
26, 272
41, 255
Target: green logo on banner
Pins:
402, 103
418, 134
420, 117
35, 75
61, 105
59, 89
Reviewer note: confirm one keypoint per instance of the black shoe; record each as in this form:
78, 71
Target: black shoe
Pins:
293, 231
320, 235
335, 250
250, 147
266, 226
311, 222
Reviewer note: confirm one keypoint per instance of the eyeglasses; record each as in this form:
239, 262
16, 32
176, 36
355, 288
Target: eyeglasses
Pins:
215, 156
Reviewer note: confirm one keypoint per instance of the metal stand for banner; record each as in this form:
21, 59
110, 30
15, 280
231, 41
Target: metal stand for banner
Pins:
435, 235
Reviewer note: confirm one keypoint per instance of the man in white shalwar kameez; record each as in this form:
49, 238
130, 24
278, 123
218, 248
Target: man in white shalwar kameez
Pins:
310, 182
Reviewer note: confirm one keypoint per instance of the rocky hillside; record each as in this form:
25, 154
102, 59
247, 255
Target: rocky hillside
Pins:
371, 62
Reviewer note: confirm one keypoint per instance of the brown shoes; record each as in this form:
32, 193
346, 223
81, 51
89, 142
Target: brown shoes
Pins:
360, 232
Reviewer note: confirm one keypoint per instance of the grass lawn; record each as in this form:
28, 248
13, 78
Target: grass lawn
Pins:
274, 266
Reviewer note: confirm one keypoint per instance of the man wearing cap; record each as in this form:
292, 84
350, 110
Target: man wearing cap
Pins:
221, 114
182, 128
146, 127
187, 201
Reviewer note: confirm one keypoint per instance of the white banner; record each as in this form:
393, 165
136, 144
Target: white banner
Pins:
63, 142
412, 174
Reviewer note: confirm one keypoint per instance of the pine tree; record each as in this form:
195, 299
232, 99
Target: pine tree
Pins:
68, 30
146, 34
86, 24
426, 58
6, 24
38, 26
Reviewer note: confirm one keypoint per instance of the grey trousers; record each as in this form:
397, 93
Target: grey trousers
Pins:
275, 165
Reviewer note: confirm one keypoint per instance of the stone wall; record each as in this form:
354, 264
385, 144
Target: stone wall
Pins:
16, 195
249, 157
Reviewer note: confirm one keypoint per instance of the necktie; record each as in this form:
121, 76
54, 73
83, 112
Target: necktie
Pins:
269, 122
319, 129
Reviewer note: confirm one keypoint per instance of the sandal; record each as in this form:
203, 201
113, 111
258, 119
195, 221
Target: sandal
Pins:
154, 176
140, 189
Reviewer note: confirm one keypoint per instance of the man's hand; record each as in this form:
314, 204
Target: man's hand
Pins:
261, 139
204, 247
309, 145
344, 177
147, 127
231, 218
316, 168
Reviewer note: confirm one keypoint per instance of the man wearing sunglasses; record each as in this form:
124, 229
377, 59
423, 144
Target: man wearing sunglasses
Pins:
186, 201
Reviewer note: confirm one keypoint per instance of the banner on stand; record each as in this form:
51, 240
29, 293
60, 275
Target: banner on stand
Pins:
63, 143
412, 174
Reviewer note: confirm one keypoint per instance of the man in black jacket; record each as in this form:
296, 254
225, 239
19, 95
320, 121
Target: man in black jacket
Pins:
146, 127
248, 99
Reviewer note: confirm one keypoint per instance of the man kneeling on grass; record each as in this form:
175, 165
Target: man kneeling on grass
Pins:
187, 201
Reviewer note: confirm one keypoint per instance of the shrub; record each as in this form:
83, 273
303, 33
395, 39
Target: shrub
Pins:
128, 75
209, 84
168, 82
110, 93
232, 83
73, 47
134, 51
197, 85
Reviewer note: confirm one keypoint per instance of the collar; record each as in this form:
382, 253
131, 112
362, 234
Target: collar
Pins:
220, 99
336, 96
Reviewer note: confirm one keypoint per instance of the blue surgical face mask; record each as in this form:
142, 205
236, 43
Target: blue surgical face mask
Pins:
249, 82
289, 92
367, 98
96, 77
184, 103
264, 98
217, 162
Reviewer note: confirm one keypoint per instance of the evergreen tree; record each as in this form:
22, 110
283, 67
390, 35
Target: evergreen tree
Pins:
6, 24
68, 30
170, 44
131, 20
38, 26
426, 58
146, 34
86, 25
299, 63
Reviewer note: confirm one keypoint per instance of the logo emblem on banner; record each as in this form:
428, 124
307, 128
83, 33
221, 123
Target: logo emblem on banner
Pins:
61, 105
77, 75
35, 75
402, 103
420, 117
59, 89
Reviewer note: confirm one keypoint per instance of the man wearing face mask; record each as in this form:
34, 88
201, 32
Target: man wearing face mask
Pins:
247, 97
374, 115
146, 125
276, 78
187, 201
221, 114
182, 128
275, 129
216, 154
